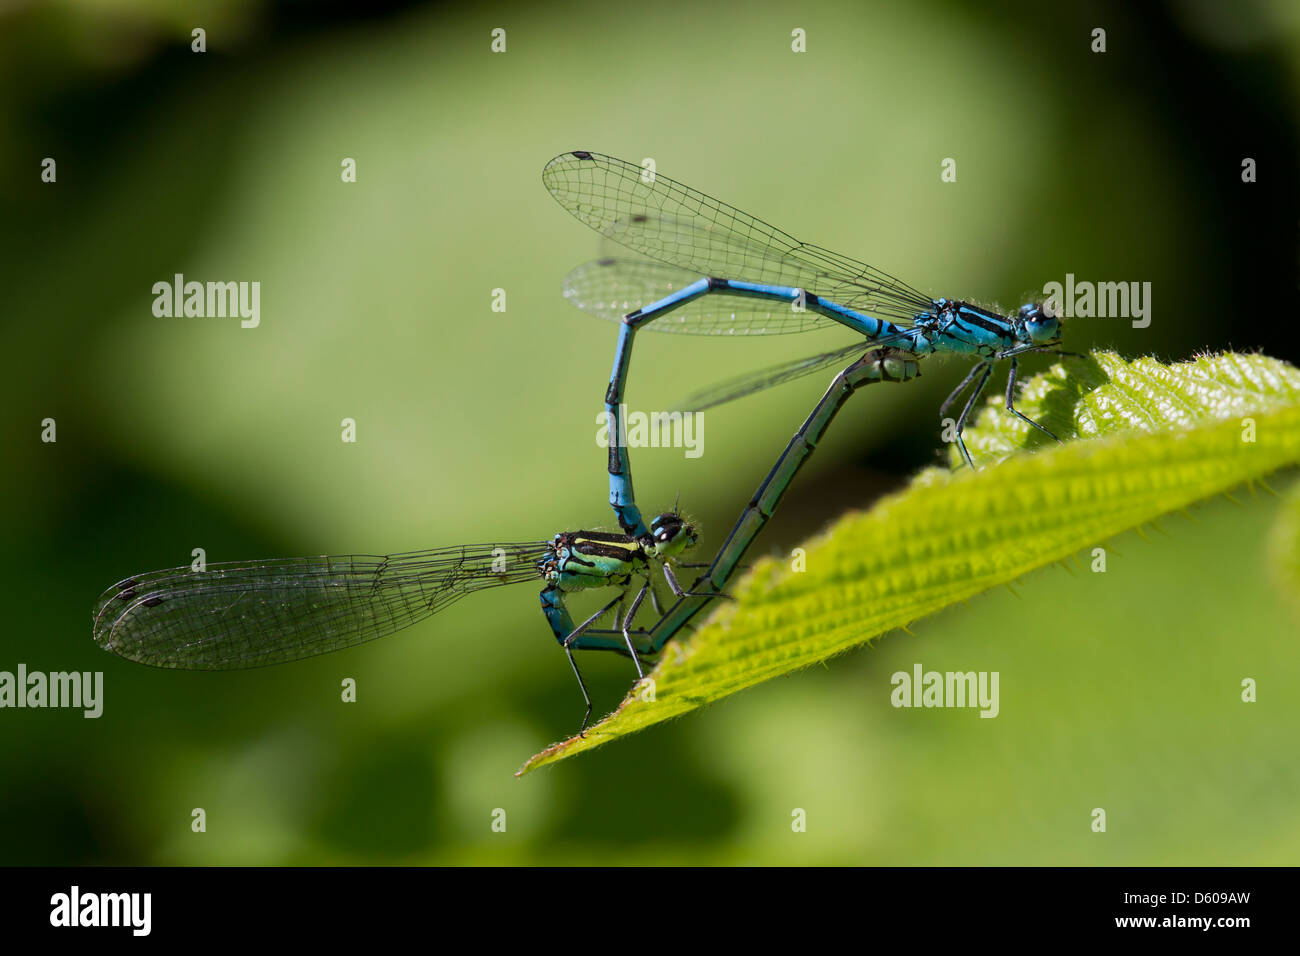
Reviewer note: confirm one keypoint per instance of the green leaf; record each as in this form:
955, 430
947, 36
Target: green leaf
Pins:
1151, 439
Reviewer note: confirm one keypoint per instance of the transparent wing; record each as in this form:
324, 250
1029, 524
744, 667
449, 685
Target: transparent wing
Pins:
675, 224
744, 385
612, 287
246, 614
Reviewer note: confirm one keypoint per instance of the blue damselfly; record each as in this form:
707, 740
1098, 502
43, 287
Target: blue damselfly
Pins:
718, 271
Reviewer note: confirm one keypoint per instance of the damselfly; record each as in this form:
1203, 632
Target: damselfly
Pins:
251, 613
720, 271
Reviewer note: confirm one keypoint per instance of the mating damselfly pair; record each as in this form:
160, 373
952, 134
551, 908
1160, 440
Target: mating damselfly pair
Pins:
700, 267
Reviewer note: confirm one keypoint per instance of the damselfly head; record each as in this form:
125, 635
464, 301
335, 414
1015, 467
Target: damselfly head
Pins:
671, 534
1040, 323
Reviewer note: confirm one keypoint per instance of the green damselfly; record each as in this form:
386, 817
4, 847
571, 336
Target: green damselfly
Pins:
253, 613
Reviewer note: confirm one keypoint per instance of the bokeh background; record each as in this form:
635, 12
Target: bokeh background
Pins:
1119, 690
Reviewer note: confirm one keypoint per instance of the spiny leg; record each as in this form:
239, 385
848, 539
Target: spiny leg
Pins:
987, 369
582, 728
1011, 404
952, 396
578, 631
627, 621
568, 641
654, 597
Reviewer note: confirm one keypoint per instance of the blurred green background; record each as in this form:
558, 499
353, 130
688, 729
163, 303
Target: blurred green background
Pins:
1118, 690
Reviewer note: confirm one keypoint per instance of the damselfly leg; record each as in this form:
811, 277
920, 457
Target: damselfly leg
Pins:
1011, 403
